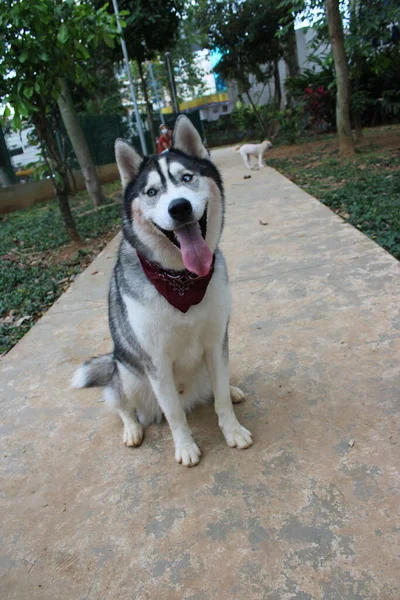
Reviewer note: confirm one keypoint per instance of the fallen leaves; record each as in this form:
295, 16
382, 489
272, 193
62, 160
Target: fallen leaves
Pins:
10, 319
22, 320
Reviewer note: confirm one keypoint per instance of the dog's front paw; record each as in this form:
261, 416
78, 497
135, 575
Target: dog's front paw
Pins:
236, 394
187, 453
238, 437
133, 434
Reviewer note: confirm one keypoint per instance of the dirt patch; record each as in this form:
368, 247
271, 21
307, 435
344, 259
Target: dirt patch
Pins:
374, 139
91, 248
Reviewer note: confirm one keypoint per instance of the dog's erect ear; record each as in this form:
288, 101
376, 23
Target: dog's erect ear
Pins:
187, 139
128, 161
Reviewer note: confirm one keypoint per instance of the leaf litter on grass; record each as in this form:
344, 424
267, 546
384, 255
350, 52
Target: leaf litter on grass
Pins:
38, 262
364, 190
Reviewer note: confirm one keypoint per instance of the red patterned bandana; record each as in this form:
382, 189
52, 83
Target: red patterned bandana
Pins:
182, 289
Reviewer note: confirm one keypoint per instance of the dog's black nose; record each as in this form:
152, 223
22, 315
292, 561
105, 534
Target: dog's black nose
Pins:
180, 210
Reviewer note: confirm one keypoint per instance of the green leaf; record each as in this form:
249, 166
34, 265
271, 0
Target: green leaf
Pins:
23, 56
82, 50
63, 34
108, 40
37, 88
23, 108
16, 122
102, 9
6, 112
28, 92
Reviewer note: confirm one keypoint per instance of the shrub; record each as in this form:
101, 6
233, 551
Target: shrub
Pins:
317, 102
291, 122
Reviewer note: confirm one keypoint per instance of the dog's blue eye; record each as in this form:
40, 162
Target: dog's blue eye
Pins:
151, 192
187, 177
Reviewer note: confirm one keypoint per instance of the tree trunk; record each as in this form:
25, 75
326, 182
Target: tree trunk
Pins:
277, 85
291, 58
58, 169
66, 214
346, 144
291, 55
148, 107
256, 113
79, 144
357, 64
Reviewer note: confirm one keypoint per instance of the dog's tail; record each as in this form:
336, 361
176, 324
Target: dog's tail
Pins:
237, 148
96, 372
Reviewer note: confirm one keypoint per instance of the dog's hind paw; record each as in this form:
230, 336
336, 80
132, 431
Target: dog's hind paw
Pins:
239, 437
188, 454
236, 395
133, 434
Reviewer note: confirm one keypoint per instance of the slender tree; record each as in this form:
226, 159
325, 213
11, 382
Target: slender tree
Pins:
79, 143
346, 143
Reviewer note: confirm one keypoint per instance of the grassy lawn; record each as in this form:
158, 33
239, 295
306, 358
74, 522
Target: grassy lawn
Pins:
364, 189
37, 261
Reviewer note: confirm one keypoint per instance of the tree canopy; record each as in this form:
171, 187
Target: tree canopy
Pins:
245, 34
44, 45
42, 40
151, 27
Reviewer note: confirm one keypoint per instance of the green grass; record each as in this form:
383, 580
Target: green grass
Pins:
37, 263
364, 189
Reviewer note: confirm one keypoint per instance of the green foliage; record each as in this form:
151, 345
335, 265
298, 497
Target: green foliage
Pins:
150, 33
291, 123
41, 42
150, 28
244, 118
373, 53
33, 60
31, 275
322, 73
225, 131
245, 34
103, 95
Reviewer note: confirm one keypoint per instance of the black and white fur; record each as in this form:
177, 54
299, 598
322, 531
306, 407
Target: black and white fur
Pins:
165, 361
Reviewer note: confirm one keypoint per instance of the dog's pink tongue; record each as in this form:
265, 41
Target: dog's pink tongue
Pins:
196, 255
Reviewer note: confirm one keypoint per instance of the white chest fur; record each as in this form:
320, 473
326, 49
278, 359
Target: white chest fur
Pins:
164, 331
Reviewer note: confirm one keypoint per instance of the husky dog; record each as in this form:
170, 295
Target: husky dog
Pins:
253, 150
169, 300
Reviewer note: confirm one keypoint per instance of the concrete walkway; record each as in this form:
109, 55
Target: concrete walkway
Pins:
315, 343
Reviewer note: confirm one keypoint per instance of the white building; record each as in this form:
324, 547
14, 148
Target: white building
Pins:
19, 142
265, 93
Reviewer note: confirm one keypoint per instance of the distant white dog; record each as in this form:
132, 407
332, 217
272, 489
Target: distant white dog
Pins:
253, 150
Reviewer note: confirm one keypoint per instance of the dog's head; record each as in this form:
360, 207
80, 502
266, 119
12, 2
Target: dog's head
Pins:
267, 144
173, 203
